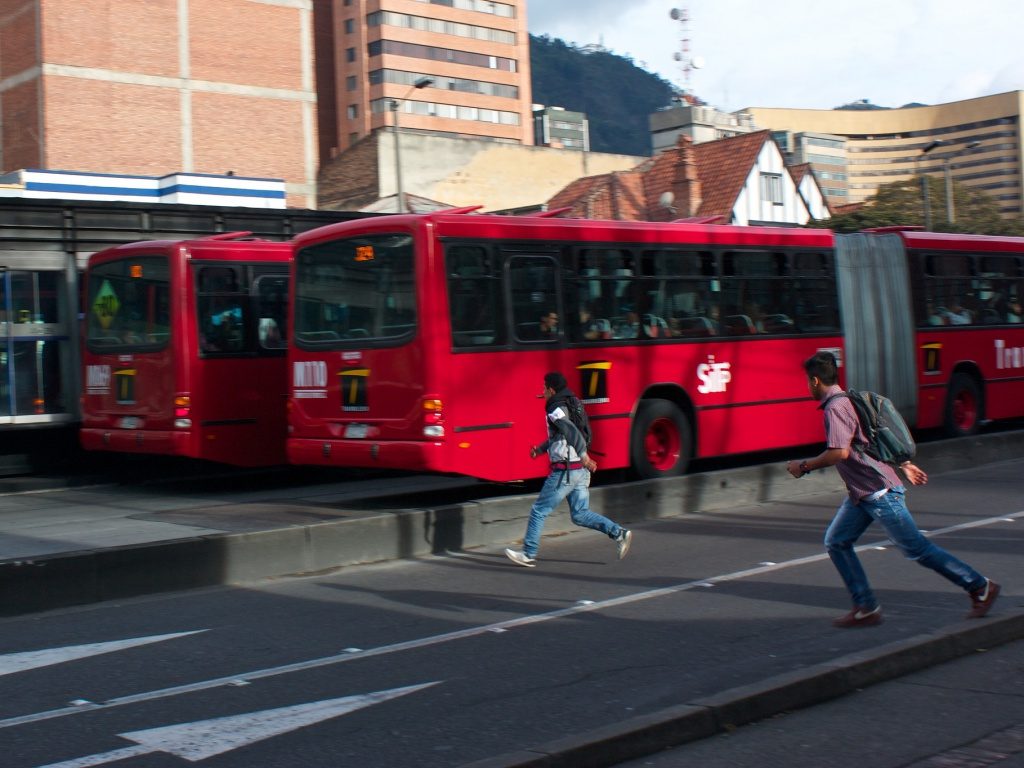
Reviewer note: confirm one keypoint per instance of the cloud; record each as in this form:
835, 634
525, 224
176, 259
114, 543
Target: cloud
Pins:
808, 55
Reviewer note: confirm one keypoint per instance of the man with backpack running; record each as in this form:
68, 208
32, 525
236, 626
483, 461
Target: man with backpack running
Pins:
875, 493
566, 448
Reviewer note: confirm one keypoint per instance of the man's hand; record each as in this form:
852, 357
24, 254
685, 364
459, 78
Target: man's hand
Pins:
793, 467
914, 474
533, 452
589, 464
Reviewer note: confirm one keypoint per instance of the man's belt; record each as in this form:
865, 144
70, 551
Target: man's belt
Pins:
567, 465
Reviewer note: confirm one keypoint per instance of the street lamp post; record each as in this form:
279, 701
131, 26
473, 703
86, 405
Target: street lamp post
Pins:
395, 105
924, 184
949, 180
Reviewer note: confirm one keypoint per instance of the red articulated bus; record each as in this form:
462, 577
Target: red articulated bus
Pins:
184, 349
420, 342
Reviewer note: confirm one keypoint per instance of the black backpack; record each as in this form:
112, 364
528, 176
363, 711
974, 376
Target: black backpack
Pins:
578, 416
889, 438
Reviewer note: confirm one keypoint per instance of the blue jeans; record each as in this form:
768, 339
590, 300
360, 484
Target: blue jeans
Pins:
576, 485
891, 511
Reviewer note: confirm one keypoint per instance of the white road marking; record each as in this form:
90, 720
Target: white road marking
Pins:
207, 738
19, 662
462, 634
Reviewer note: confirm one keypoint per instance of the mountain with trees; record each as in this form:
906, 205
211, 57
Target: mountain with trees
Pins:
901, 203
616, 95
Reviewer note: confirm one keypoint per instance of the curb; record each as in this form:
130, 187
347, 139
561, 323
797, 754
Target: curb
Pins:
723, 712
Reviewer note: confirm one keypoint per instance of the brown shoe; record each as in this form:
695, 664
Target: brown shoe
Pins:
982, 599
860, 617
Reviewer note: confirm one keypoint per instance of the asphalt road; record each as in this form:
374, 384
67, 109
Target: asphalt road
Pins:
456, 658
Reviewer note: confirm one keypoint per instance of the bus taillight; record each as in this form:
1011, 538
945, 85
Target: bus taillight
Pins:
183, 412
433, 417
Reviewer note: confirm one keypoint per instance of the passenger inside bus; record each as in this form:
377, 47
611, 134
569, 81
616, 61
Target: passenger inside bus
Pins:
592, 328
956, 314
1013, 311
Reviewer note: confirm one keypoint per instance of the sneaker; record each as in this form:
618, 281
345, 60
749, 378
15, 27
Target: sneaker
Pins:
520, 558
860, 617
624, 539
982, 599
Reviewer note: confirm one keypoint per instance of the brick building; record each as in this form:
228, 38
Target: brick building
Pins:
160, 87
371, 53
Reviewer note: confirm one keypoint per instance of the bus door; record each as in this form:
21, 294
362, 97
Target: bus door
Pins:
237, 390
38, 361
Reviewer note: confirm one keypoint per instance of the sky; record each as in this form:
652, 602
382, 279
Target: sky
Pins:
808, 54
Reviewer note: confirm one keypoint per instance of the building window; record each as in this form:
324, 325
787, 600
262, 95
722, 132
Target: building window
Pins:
350, 26
350, 83
353, 111
771, 188
350, 54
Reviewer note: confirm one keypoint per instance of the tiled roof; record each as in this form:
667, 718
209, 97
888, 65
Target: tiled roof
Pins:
798, 172
722, 168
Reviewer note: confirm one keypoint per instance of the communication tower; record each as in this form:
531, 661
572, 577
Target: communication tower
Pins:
687, 61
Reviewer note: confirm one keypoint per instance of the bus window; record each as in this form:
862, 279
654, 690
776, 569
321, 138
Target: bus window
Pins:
474, 297
221, 304
533, 283
128, 305
606, 289
815, 302
271, 310
993, 285
949, 289
356, 291
755, 293
677, 293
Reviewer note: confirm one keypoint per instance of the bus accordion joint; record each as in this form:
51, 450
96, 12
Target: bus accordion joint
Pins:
433, 417
182, 412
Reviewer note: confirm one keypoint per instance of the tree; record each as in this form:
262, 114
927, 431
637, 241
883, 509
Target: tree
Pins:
901, 203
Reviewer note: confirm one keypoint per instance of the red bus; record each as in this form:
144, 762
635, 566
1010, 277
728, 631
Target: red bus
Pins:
184, 349
420, 342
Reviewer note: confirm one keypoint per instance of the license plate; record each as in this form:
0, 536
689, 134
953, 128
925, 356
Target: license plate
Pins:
356, 431
129, 422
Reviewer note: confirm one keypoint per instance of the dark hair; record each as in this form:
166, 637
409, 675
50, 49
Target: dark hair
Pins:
822, 365
555, 381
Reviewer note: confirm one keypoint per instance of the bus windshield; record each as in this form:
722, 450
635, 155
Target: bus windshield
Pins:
356, 291
128, 305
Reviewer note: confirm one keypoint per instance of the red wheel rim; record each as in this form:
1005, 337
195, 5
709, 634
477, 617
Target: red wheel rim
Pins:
965, 410
662, 444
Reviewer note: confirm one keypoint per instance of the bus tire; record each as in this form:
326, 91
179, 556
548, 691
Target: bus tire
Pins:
660, 440
963, 406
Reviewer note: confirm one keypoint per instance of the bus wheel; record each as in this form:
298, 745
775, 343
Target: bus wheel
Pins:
963, 406
660, 443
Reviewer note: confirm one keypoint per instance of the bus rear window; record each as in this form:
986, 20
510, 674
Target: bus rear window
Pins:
360, 291
128, 305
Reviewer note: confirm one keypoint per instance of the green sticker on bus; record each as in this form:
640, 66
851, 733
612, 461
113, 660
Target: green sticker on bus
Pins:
106, 305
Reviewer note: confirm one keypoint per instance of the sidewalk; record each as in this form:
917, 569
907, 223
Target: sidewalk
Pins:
69, 546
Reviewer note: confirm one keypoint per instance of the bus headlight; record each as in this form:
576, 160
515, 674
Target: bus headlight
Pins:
433, 430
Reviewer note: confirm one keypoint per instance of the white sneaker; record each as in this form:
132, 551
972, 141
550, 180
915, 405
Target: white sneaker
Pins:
520, 558
625, 539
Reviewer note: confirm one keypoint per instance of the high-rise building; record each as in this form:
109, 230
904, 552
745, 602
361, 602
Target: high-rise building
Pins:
826, 155
161, 87
977, 142
458, 68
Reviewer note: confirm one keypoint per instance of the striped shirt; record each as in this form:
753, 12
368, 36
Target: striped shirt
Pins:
862, 475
